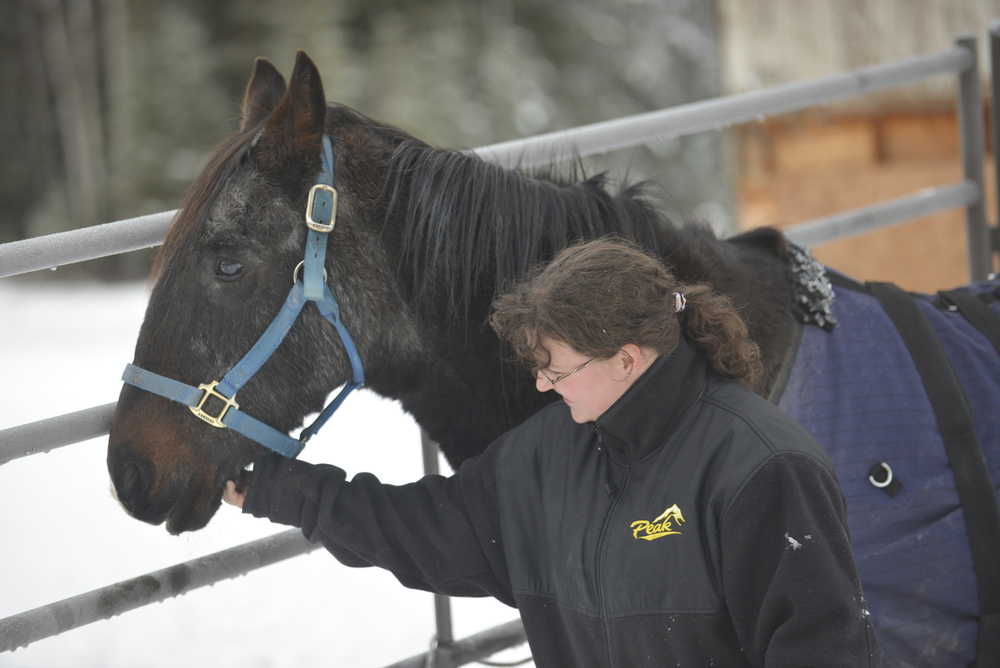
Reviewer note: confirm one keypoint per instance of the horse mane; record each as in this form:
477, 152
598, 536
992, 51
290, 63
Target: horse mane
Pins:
225, 159
467, 228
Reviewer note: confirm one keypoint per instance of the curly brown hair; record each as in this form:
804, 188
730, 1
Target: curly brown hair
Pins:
600, 295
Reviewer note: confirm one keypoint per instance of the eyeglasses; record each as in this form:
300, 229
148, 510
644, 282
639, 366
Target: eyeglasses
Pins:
553, 380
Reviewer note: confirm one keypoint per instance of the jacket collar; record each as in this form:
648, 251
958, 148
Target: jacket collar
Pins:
651, 409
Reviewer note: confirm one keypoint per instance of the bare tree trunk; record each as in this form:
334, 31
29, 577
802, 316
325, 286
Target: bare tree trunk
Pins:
120, 130
85, 48
119, 117
25, 122
69, 99
35, 110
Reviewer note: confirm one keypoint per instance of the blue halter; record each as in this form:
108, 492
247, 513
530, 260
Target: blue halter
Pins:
321, 214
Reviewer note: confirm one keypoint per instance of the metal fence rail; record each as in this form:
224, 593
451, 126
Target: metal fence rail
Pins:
475, 647
720, 112
55, 618
112, 238
970, 134
86, 243
55, 432
858, 221
118, 237
994, 54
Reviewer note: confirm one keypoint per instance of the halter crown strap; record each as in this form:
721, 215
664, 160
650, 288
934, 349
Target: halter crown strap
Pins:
321, 214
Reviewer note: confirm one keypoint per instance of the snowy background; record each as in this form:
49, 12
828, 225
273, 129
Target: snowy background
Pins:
62, 348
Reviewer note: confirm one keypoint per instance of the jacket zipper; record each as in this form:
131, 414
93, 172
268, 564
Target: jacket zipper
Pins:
599, 559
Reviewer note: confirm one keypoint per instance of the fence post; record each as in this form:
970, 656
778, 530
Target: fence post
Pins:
970, 116
439, 655
995, 130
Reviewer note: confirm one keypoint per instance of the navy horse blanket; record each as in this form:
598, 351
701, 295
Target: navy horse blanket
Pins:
857, 390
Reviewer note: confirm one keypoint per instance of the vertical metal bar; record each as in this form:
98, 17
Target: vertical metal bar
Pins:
439, 656
970, 116
995, 127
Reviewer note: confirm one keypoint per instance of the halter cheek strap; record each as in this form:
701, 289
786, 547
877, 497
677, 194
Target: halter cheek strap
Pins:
321, 215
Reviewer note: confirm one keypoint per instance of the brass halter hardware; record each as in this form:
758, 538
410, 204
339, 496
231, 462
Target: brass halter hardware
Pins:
210, 391
319, 225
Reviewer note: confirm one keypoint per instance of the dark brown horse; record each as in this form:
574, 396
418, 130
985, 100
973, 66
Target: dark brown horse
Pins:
424, 240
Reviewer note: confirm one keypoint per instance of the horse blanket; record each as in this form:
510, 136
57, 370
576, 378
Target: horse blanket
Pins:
856, 389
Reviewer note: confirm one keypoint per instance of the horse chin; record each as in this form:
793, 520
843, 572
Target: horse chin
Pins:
193, 511
201, 496
177, 524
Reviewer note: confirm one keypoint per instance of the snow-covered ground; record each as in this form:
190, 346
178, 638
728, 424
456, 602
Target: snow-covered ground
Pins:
62, 348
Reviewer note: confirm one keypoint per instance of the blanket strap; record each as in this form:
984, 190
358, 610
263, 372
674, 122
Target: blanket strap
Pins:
972, 479
976, 312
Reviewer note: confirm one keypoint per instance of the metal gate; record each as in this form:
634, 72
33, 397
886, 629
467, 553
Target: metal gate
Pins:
88, 243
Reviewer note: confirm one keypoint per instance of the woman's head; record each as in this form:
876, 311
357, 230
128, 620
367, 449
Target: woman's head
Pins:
609, 301
594, 296
592, 321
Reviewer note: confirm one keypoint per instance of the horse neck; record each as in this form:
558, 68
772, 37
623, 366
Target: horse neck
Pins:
459, 229
463, 228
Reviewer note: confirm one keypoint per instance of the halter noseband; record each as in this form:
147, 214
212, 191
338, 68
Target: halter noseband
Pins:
321, 214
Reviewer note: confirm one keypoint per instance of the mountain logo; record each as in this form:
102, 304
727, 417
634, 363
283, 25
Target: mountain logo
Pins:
667, 524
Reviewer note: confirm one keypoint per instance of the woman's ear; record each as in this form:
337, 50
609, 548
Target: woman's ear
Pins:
628, 359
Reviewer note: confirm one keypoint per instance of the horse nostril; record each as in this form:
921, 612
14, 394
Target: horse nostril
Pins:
131, 479
129, 482
133, 482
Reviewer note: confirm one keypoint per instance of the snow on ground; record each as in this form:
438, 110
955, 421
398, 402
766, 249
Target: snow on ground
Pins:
62, 348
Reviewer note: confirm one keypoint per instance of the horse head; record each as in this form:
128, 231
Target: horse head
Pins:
224, 270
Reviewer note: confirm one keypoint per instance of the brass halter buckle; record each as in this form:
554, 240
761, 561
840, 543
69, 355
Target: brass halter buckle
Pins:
319, 225
210, 391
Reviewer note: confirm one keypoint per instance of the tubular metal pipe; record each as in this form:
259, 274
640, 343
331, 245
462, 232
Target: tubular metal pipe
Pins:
714, 114
444, 635
88, 243
995, 126
55, 432
970, 115
55, 618
475, 647
858, 221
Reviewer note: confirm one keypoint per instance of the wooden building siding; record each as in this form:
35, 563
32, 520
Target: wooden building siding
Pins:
804, 166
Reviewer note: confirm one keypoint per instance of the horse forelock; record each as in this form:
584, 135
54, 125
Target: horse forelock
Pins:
200, 194
471, 228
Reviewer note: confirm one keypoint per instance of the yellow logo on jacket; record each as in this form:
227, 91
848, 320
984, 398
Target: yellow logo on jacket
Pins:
667, 524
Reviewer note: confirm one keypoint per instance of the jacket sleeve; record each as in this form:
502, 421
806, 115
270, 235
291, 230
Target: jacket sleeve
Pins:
789, 577
438, 534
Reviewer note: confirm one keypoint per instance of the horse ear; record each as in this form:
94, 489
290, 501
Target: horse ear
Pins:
295, 128
308, 108
264, 91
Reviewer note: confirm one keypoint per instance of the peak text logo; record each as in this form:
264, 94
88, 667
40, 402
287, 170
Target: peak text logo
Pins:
667, 524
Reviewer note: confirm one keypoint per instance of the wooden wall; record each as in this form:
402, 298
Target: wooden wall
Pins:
803, 166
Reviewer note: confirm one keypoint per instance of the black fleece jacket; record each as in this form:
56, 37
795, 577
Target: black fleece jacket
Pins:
692, 525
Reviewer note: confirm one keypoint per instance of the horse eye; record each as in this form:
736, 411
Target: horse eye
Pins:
228, 270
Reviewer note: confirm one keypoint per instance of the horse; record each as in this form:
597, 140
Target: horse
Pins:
424, 240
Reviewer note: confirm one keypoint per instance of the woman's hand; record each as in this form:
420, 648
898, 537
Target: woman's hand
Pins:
235, 493
233, 497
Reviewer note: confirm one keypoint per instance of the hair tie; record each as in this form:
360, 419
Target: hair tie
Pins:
680, 302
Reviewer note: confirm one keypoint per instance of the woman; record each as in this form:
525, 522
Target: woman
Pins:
660, 514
